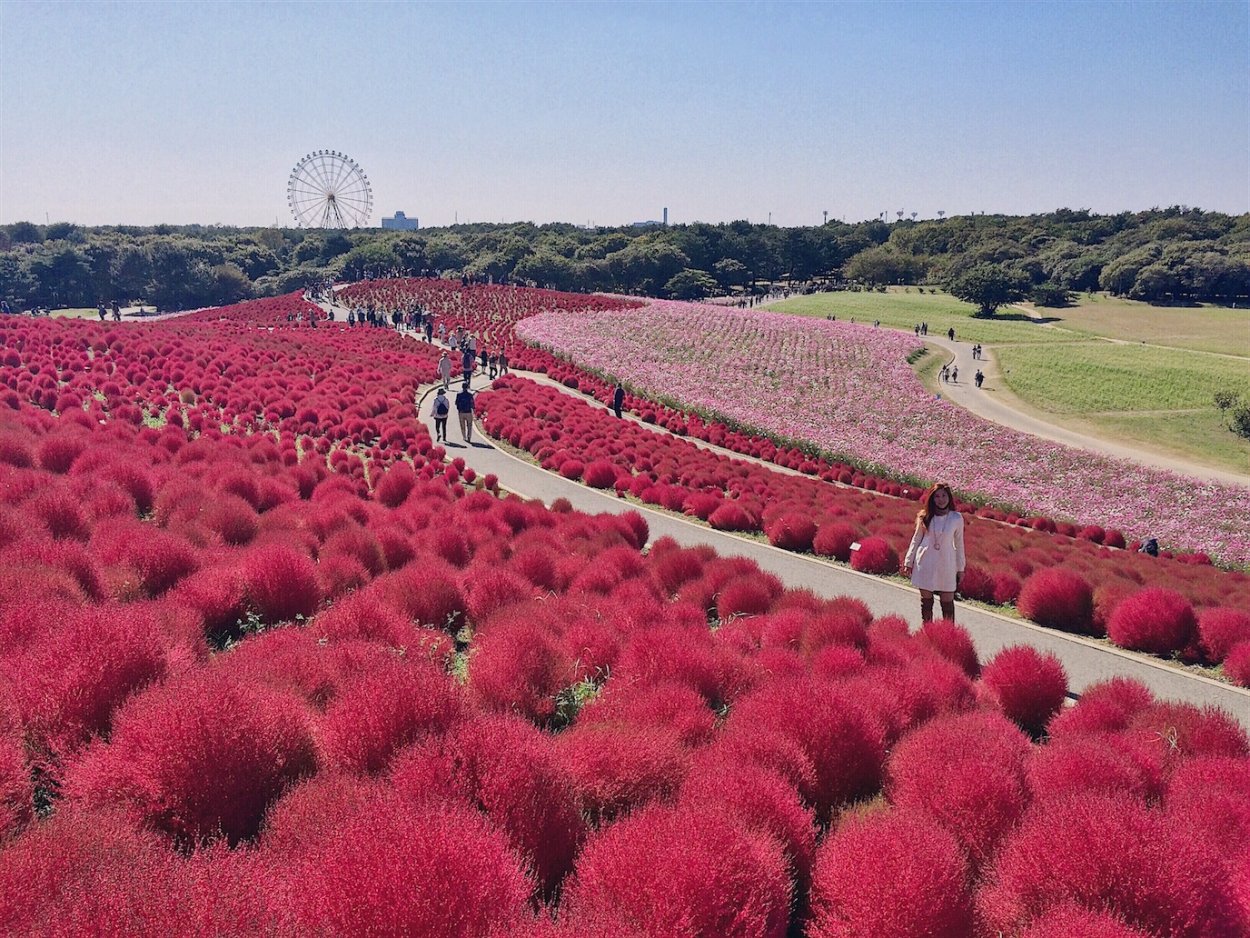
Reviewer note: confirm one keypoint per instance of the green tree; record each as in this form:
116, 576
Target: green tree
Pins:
1050, 294
547, 269
883, 265
25, 232
63, 277
690, 284
989, 286
369, 260
229, 285
730, 273
17, 286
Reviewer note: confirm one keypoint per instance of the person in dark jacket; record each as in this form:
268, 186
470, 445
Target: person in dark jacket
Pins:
464, 410
618, 399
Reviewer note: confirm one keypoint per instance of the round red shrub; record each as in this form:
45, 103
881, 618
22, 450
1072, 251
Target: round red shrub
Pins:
519, 666
749, 595
1220, 628
834, 539
599, 474
280, 582
1237, 664
384, 709
395, 485
1069, 921
1027, 685
977, 583
16, 790
1155, 619
1057, 598
890, 873
953, 643
617, 768
1071, 764
1007, 588
511, 773
876, 556
199, 757
791, 531
435, 871
730, 516
680, 871
1106, 706
966, 772
1112, 853
1212, 795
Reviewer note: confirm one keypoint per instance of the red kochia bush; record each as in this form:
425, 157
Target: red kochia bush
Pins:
620, 767
199, 757
16, 791
875, 556
599, 474
508, 769
1070, 921
890, 873
280, 582
1154, 619
834, 539
1028, 686
1057, 598
385, 709
731, 516
687, 871
87, 873
1237, 664
435, 871
1221, 628
1112, 853
966, 772
1212, 795
519, 666
953, 643
791, 531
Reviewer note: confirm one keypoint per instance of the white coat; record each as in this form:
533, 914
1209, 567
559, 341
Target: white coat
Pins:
936, 554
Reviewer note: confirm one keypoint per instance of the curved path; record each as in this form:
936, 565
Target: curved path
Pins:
1085, 660
991, 403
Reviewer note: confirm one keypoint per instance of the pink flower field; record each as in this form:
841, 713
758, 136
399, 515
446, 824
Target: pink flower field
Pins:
849, 390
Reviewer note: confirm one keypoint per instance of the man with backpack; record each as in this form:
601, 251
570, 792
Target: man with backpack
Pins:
441, 410
464, 409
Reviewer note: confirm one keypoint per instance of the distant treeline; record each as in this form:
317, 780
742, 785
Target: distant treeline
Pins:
1174, 255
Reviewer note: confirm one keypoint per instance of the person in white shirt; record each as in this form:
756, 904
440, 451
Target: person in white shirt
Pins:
935, 560
444, 370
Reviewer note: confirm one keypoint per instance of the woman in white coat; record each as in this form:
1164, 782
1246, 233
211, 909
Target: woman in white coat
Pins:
935, 559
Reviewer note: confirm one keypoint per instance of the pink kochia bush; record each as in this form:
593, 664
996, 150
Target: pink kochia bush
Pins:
892, 872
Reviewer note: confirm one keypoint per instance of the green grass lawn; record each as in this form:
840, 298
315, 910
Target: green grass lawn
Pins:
1203, 328
75, 313
902, 310
1088, 377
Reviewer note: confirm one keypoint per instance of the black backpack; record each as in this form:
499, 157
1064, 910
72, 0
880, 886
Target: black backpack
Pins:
441, 407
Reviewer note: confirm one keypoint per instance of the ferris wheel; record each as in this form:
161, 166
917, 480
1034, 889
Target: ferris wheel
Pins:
328, 189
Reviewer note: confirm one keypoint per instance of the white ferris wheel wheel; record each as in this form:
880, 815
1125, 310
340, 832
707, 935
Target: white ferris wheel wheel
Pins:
328, 189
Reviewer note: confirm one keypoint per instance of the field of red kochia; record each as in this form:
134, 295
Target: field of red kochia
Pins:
271, 664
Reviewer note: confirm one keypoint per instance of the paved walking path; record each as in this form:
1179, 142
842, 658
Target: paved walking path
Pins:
988, 402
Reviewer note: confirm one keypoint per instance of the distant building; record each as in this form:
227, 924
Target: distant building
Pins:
400, 222
652, 223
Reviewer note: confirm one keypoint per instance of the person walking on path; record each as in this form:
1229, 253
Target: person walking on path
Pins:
980, 377
503, 362
946, 371
441, 409
618, 399
444, 370
950, 333
954, 374
935, 560
466, 362
464, 410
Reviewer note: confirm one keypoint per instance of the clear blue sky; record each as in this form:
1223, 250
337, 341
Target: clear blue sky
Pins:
196, 112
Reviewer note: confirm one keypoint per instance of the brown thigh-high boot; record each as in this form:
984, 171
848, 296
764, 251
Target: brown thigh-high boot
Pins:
926, 608
948, 609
